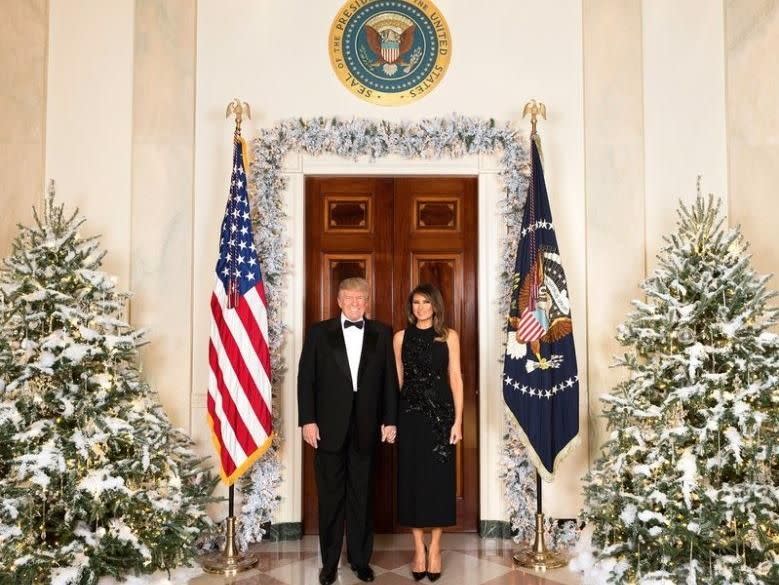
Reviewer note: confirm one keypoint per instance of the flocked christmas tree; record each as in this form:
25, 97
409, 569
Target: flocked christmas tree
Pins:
685, 490
94, 480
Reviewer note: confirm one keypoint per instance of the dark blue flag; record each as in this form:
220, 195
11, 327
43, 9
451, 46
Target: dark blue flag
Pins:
540, 380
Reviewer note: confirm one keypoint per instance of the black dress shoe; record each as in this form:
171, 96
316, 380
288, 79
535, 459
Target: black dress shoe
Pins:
364, 573
327, 577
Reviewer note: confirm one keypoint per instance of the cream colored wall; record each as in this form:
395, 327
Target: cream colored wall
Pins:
752, 41
89, 118
161, 199
614, 146
134, 132
23, 38
684, 109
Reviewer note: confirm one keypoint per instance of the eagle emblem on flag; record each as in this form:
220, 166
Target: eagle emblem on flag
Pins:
544, 306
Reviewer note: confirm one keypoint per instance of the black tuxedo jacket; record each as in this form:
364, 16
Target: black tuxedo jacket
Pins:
325, 390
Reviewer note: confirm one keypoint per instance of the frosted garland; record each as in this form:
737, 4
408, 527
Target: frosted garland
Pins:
451, 137
260, 488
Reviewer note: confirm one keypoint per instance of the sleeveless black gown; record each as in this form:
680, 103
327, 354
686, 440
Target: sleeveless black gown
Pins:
426, 460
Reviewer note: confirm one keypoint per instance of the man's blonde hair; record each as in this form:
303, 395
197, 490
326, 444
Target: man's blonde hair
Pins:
354, 283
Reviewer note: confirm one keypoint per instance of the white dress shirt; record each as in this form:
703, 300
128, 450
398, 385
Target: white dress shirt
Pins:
353, 340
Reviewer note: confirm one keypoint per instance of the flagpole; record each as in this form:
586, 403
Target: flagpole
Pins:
539, 499
229, 562
538, 557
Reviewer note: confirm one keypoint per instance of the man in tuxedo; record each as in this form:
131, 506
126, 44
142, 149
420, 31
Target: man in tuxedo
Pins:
347, 399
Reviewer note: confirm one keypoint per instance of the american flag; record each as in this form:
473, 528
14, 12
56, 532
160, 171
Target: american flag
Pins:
239, 388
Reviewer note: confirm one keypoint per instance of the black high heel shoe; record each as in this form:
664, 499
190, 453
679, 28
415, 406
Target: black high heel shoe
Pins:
419, 575
433, 576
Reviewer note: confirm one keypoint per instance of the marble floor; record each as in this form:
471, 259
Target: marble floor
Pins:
467, 560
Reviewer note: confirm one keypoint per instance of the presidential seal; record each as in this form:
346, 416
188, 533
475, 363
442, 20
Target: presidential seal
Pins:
390, 52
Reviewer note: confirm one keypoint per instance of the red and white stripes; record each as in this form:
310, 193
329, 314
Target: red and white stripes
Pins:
239, 381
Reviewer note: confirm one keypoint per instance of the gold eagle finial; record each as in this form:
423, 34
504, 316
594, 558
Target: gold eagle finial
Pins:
239, 109
535, 109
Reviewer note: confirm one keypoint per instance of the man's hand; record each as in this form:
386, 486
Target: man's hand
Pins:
388, 433
311, 434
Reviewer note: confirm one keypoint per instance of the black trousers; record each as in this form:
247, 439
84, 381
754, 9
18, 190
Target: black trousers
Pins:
343, 481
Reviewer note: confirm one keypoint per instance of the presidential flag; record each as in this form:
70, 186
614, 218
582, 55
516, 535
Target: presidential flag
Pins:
540, 381
239, 388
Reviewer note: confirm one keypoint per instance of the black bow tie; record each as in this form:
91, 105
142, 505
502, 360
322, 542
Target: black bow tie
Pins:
357, 324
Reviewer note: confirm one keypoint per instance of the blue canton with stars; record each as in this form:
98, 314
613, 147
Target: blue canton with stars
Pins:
413, 66
238, 263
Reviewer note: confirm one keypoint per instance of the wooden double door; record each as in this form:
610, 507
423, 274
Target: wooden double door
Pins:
397, 233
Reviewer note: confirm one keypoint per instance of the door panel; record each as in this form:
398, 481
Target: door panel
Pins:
397, 233
436, 242
337, 267
347, 234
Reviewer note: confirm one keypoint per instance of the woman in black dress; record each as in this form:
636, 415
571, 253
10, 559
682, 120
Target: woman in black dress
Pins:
427, 354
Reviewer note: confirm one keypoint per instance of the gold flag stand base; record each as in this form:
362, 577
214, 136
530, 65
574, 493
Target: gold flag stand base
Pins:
229, 562
539, 558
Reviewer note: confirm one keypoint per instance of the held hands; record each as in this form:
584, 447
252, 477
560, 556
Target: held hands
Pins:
388, 433
456, 434
311, 434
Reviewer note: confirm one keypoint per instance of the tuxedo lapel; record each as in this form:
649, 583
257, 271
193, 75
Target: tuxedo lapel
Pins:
369, 340
335, 338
